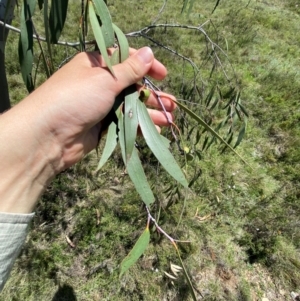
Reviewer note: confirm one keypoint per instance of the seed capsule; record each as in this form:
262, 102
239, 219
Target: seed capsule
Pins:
144, 94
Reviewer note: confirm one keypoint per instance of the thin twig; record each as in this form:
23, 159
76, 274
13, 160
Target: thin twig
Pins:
154, 88
160, 12
172, 240
75, 45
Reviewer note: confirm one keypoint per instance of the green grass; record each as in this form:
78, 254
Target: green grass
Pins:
242, 224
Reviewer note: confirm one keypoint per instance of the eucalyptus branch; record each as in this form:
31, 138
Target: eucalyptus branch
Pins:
75, 45
214, 46
171, 239
170, 50
160, 12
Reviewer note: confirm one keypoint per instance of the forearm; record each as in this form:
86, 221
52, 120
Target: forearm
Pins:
25, 166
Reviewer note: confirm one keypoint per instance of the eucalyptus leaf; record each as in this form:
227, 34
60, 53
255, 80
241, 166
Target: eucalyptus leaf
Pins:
136, 252
240, 136
26, 43
157, 146
123, 43
209, 129
110, 144
57, 18
130, 118
187, 277
106, 23
99, 36
47, 36
121, 135
137, 175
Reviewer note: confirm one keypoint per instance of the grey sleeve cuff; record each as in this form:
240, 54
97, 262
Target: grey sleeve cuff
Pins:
13, 231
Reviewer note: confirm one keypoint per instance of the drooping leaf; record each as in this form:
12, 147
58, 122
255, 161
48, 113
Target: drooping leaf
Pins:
57, 18
123, 43
186, 3
165, 141
130, 119
240, 136
210, 96
157, 146
47, 36
41, 2
115, 57
243, 110
137, 175
121, 136
110, 144
216, 5
26, 43
208, 128
106, 23
99, 36
136, 252
187, 277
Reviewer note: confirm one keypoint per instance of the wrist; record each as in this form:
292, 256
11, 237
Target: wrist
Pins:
28, 159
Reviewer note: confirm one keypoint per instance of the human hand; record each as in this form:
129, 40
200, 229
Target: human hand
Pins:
56, 125
82, 93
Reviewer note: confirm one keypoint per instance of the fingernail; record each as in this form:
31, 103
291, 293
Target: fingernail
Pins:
145, 54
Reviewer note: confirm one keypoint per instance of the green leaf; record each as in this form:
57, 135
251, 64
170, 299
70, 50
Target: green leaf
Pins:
99, 37
115, 57
106, 23
187, 277
123, 43
41, 2
137, 175
165, 141
136, 252
130, 119
26, 43
243, 110
157, 145
241, 135
121, 136
57, 18
208, 128
110, 145
47, 36
216, 5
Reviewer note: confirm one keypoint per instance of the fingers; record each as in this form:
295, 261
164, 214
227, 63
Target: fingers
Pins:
159, 117
132, 70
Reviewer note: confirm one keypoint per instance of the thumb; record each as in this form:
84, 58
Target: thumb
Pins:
134, 68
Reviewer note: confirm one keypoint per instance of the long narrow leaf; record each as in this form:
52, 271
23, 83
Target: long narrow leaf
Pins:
208, 128
57, 18
121, 136
110, 144
106, 23
187, 277
136, 252
216, 5
137, 175
99, 37
241, 136
130, 119
26, 43
47, 35
157, 146
123, 43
